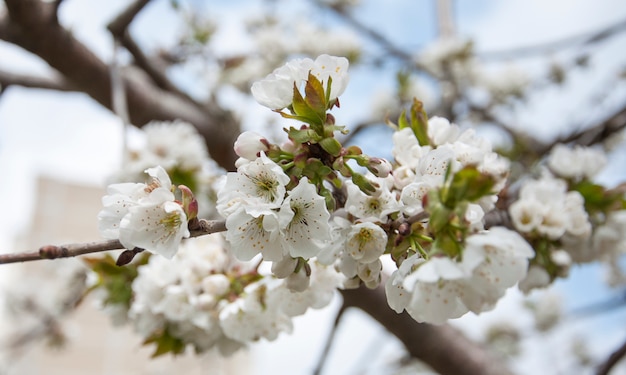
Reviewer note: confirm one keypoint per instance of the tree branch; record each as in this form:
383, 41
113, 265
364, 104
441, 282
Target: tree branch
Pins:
33, 27
546, 48
613, 359
154, 66
442, 347
56, 83
197, 228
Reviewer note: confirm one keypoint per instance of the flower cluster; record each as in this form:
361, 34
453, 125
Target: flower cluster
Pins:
147, 216
567, 218
441, 288
180, 150
326, 215
204, 298
263, 217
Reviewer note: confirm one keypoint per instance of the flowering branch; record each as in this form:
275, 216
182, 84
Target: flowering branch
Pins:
197, 228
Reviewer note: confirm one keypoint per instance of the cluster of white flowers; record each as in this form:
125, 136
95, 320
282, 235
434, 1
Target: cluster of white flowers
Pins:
441, 288
160, 144
423, 167
206, 298
143, 215
263, 217
576, 163
426, 210
545, 206
276, 90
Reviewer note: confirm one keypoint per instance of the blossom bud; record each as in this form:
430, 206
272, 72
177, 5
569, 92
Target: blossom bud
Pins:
249, 144
284, 267
190, 204
298, 281
379, 167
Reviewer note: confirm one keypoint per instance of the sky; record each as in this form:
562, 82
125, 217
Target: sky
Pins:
71, 137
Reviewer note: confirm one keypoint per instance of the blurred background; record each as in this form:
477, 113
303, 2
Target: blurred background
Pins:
524, 73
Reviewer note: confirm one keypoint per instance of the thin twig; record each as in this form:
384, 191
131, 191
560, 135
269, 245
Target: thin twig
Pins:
154, 66
545, 48
613, 359
329, 342
197, 228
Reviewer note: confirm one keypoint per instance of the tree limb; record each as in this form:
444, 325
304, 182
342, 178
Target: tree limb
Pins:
442, 347
32, 26
613, 359
154, 66
55, 82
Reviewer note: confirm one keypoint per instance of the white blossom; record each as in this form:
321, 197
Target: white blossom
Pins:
442, 288
545, 206
366, 242
578, 162
375, 207
276, 90
255, 233
304, 221
258, 185
144, 215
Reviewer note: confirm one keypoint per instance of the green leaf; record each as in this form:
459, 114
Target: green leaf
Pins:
402, 121
315, 96
331, 145
305, 135
598, 198
305, 113
469, 185
165, 343
366, 186
419, 122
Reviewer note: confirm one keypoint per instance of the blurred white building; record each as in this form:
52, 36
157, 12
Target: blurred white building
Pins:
66, 213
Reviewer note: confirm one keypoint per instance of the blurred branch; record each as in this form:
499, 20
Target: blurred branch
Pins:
31, 27
442, 347
154, 66
38, 82
539, 49
329, 341
199, 228
379, 38
613, 359
594, 135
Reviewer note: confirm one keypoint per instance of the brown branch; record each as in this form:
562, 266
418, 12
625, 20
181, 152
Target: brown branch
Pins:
594, 135
386, 44
442, 347
55, 82
154, 66
197, 228
613, 359
32, 26
546, 48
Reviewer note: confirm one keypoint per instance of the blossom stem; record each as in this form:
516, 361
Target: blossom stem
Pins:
200, 228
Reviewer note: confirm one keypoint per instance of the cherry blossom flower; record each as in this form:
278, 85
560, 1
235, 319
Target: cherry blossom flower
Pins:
144, 215
259, 184
366, 242
576, 163
276, 90
157, 224
304, 221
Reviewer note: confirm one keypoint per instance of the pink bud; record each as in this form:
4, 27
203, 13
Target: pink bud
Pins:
190, 204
